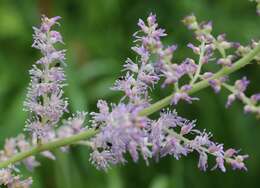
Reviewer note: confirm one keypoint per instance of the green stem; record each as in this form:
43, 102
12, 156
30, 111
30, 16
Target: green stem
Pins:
145, 112
200, 64
204, 83
49, 146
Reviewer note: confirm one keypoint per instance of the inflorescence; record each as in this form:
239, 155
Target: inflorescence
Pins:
120, 127
45, 103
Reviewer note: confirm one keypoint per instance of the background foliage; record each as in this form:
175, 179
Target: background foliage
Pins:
98, 35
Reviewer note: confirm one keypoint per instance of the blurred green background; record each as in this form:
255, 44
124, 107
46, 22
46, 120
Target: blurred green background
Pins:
98, 36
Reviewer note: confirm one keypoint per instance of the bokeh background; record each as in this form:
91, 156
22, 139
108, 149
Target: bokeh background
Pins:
98, 36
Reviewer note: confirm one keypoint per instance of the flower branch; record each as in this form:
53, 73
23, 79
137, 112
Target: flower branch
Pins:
117, 129
145, 112
48, 146
204, 83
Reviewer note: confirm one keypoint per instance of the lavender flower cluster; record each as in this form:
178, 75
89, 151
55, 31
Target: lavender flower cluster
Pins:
122, 129
46, 105
44, 98
7, 175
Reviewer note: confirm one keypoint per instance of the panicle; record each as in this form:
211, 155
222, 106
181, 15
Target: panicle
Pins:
73, 125
9, 176
124, 131
45, 103
121, 130
44, 99
15, 145
251, 104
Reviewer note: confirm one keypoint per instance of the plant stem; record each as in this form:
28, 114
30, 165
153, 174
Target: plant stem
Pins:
200, 64
49, 146
145, 112
204, 83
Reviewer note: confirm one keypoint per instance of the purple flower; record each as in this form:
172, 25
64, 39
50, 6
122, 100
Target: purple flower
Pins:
166, 141
173, 147
230, 152
102, 160
47, 23
36, 129
183, 95
55, 37
255, 98
230, 100
241, 85
195, 49
131, 66
148, 41
172, 73
238, 93
121, 128
76, 122
64, 131
10, 147
201, 139
12, 180
207, 27
123, 131
147, 75
157, 137
132, 148
252, 109
128, 85
9, 179
23, 145
208, 53
222, 43
44, 98
238, 162
72, 125
6, 177
220, 164
187, 127
135, 84
167, 53
142, 52
207, 75
189, 66
225, 62
25, 183
203, 161
103, 112
151, 29
216, 83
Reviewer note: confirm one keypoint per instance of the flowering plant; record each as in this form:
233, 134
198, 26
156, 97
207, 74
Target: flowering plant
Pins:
125, 127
